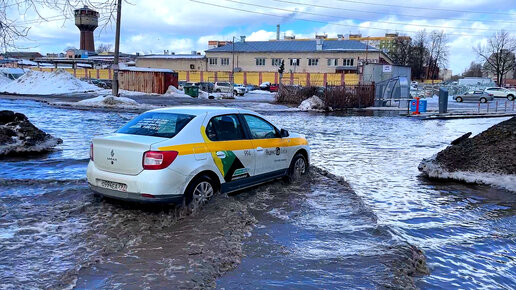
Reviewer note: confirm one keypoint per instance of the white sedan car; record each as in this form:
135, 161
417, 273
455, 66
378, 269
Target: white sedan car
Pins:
187, 154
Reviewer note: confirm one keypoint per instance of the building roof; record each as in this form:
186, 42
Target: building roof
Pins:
22, 54
173, 56
295, 46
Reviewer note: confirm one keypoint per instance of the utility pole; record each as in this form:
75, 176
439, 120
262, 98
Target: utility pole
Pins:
117, 49
233, 70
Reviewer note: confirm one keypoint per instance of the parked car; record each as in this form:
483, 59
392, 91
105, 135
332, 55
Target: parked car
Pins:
274, 88
181, 84
267, 86
188, 154
239, 90
251, 88
498, 92
222, 87
206, 86
475, 96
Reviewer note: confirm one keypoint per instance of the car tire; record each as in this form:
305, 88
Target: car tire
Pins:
458, 99
217, 90
211, 97
510, 97
483, 100
200, 190
298, 167
242, 94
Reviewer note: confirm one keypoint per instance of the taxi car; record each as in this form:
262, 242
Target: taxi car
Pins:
188, 154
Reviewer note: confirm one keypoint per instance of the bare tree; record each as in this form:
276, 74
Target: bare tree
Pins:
104, 47
400, 54
438, 53
418, 54
498, 54
13, 29
474, 70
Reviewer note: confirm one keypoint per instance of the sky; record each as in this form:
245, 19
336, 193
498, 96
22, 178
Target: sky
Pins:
182, 26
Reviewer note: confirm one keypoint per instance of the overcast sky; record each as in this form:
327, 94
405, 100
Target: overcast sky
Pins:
182, 26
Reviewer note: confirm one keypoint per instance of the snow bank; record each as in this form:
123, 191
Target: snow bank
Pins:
176, 93
110, 101
47, 83
312, 104
4, 80
431, 168
258, 96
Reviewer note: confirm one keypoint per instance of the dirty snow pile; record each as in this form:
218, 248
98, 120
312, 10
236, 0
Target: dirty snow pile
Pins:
110, 101
47, 83
176, 93
487, 158
312, 104
18, 135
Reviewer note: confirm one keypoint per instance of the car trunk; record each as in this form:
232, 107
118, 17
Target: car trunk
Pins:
122, 153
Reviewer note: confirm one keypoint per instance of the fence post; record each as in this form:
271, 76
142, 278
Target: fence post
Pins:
260, 78
276, 78
325, 80
307, 79
342, 79
201, 74
216, 77
98, 74
245, 78
291, 79
187, 76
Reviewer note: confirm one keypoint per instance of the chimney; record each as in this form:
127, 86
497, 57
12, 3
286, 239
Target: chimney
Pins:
318, 44
242, 38
277, 32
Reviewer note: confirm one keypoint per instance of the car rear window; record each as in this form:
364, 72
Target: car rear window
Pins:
156, 124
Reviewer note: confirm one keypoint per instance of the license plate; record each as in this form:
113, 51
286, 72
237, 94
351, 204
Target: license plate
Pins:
112, 185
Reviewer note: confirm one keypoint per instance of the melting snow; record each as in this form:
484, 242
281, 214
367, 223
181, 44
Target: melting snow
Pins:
47, 83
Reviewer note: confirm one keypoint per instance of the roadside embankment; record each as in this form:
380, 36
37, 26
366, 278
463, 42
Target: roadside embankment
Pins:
488, 158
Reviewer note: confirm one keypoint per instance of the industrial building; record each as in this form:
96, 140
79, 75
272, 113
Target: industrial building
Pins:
176, 62
299, 56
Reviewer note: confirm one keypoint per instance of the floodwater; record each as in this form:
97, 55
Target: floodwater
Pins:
321, 232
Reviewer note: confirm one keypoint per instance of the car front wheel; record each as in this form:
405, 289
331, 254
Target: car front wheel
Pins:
458, 99
298, 167
510, 97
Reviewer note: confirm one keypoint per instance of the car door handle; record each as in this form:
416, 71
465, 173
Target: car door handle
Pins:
259, 149
221, 154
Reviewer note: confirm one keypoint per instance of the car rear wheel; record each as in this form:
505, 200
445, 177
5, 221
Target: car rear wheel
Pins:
510, 97
298, 167
458, 99
199, 192
483, 100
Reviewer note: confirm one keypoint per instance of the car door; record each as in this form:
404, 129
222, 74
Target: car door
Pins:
230, 147
272, 151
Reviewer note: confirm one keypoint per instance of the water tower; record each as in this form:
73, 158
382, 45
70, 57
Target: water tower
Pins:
87, 20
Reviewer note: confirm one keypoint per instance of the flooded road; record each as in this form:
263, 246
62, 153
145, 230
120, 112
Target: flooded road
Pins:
318, 233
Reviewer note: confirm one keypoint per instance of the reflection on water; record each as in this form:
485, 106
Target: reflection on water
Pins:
303, 235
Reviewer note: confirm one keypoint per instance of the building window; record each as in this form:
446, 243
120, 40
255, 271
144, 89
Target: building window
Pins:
212, 60
224, 61
333, 61
260, 61
295, 61
313, 61
348, 62
276, 61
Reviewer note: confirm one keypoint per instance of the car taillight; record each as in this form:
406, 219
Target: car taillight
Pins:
154, 160
490, 95
91, 152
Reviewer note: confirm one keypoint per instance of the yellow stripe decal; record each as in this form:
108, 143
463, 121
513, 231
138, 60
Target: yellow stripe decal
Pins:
210, 146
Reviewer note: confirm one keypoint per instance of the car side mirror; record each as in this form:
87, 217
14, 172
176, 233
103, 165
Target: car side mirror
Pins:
284, 133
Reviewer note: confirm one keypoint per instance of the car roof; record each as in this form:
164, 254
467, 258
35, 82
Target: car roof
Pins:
199, 110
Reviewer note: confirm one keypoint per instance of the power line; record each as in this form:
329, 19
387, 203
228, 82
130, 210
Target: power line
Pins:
426, 8
318, 21
376, 21
397, 14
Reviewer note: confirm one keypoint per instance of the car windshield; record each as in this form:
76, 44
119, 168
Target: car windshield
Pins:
157, 124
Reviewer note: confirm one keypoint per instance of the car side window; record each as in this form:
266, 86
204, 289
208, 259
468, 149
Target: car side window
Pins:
260, 129
225, 128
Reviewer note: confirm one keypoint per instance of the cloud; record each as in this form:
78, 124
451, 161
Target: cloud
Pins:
182, 26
